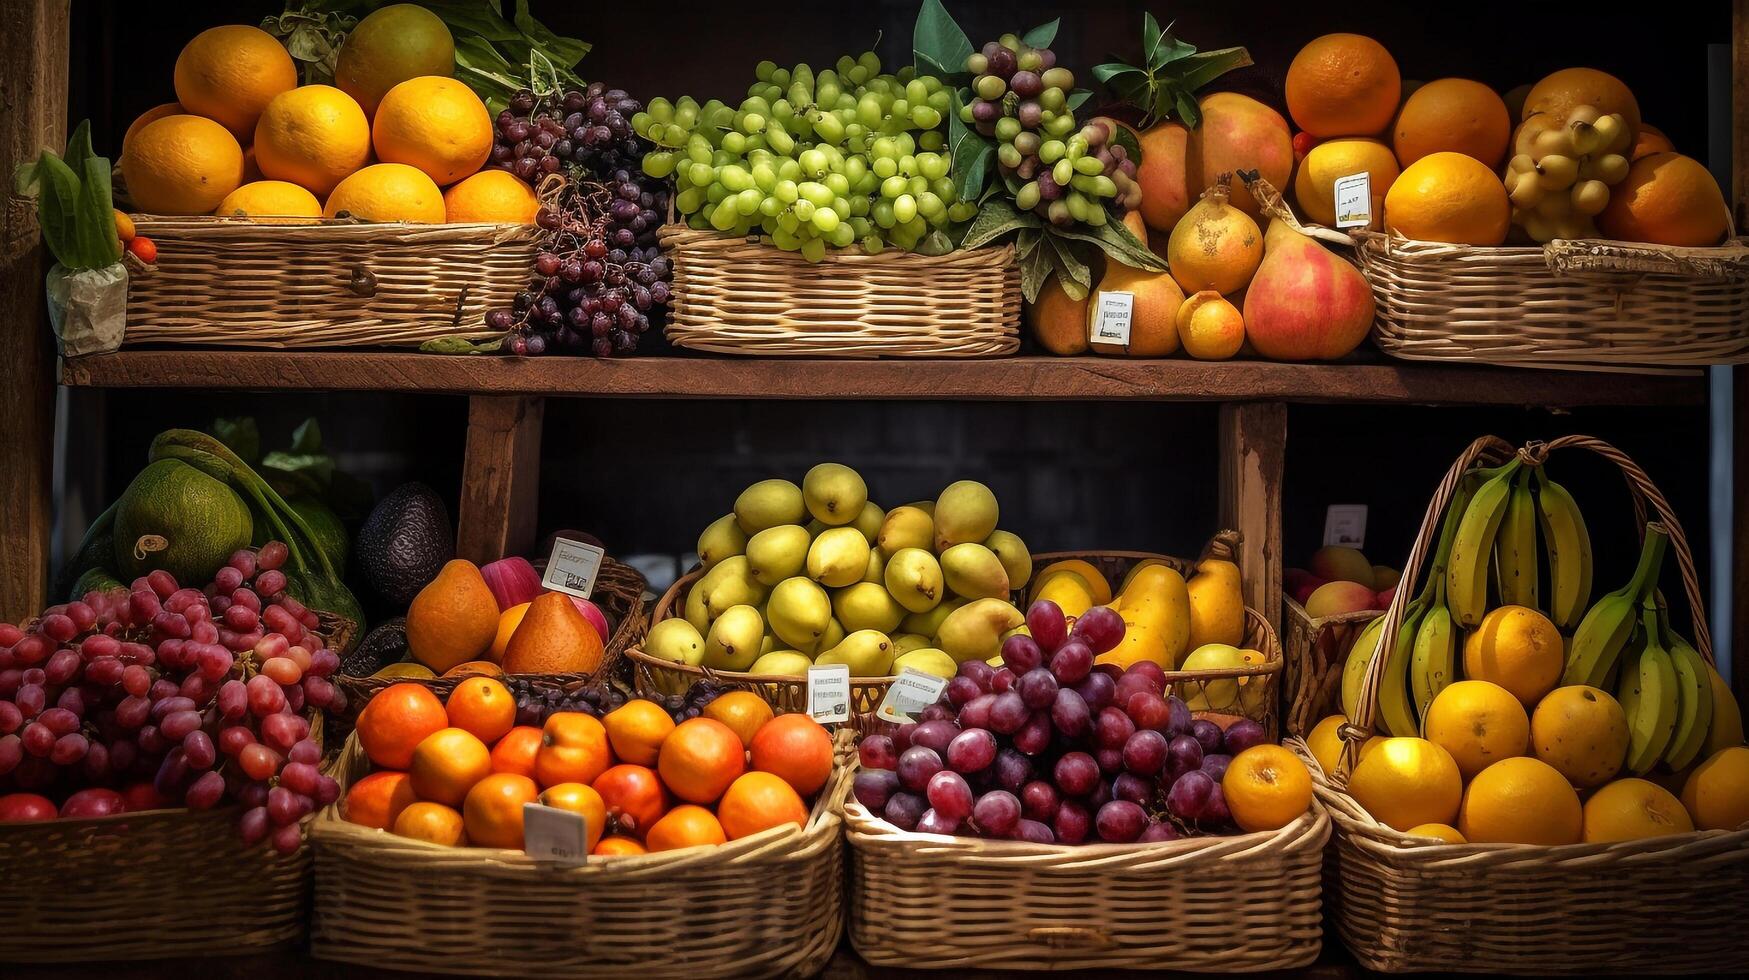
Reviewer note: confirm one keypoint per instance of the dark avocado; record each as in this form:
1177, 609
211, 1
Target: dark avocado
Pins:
404, 543
385, 644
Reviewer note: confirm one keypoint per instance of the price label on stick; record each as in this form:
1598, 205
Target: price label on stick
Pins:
1111, 317
1354, 200
572, 568
829, 693
554, 835
911, 692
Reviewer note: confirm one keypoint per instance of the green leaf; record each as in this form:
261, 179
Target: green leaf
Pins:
1069, 266
473, 17
1168, 51
937, 43
1151, 36
56, 209
969, 153
1117, 242
936, 243
315, 469
996, 218
1185, 105
96, 214
1201, 69
307, 437
241, 435
1126, 137
1077, 97
565, 52
1115, 69
461, 345
1042, 35
1035, 264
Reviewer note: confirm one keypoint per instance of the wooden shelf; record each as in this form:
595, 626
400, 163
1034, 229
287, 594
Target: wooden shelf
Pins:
1034, 378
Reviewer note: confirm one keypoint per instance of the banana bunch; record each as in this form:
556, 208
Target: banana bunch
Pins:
1499, 534
1474, 544
1694, 717
1604, 633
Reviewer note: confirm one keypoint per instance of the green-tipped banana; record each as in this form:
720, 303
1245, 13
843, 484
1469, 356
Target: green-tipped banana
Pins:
1568, 545
1472, 547
1434, 660
1649, 696
1515, 554
1395, 712
1354, 669
1695, 695
1605, 630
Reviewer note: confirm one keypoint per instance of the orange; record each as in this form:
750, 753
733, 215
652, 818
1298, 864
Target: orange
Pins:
1581, 731
759, 801
151, 115
1666, 199
1210, 328
1558, 93
617, 845
392, 44
483, 707
582, 800
686, 825
795, 748
377, 799
516, 751
454, 618
1438, 831
397, 720
1631, 809
181, 165
1343, 85
634, 797
1406, 782
230, 73
700, 758
1325, 741
1517, 648
1448, 197
1520, 801
1453, 114
1479, 723
1717, 791
1648, 141
432, 822
314, 136
391, 192
447, 764
475, 668
1266, 788
637, 729
271, 202
743, 711
508, 621
573, 749
434, 123
493, 810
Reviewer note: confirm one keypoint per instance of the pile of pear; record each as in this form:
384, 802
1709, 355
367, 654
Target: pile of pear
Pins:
819, 574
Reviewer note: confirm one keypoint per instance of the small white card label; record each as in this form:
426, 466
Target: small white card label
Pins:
829, 693
911, 692
1345, 525
573, 567
555, 835
1354, 200
1111, 321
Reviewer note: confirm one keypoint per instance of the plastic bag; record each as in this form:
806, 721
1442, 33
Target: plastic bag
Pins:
88, 309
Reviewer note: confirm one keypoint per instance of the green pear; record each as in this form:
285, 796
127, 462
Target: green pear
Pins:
838, 557
735, 639
676, 640
781, 663
777, 553
965, 511
769, 503
868, 653
929, 623
834, 494
904, 643
974, 631
720, 539
869, 521
867, 606
914, 578
799, 611
974, 571
877, 566
906, 527
928, 660
730, 583
1012, 553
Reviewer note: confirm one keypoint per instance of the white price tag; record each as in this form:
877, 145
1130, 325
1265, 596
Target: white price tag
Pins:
1111, 320
1345, 525
829, 693
572, 568
911, 692
1354, 200
555, 835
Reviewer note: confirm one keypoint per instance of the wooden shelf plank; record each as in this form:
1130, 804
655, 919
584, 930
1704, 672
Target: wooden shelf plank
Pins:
1027, 378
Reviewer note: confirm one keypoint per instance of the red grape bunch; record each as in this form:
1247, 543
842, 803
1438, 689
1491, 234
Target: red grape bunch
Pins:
163, 695
1049, 748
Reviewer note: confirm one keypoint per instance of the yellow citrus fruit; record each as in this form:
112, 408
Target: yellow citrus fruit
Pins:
150, 116
1560, 92
1517, 648
1520, 801
391, 45
181, 165
314, 136
492, 196
1315, 183
124, 227
1479, 723
1266, 787
1439, 831
388, 192
1453, 114
1666, 199
1210, 327
230, 73
1717, 792
434, 123
1649, 140
271, 202
1630, 809
1326, 744
1448, 197
1582, 732
1406, 782
1343, 85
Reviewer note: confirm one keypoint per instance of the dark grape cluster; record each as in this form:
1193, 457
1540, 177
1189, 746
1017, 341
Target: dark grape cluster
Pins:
599, 276
693, 702
163, 695
535, 702
1049, 748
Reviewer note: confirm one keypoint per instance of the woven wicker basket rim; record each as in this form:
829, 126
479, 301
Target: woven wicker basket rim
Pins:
995, 256
1291, 605
315, 231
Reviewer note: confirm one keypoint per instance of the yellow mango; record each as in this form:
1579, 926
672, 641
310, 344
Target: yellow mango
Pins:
1069, 590
1217, 607
1097, 585
1155, 607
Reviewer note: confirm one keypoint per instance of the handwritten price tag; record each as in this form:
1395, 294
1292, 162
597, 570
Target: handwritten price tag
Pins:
554, 835
573, 567
829, 693
911, 692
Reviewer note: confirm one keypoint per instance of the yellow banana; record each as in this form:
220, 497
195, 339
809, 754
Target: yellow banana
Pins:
1695, 694
1395, 714
1515, 554
1727, 727
1568, 545
1473, 545
1354, 670
1605, 630
1434, 659
1648, 696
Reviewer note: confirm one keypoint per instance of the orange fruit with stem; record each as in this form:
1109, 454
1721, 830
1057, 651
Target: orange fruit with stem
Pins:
637, 730
573, 749
634, 797
484, 707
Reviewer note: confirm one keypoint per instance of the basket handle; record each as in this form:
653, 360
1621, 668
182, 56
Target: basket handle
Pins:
1270, 200
1575, 257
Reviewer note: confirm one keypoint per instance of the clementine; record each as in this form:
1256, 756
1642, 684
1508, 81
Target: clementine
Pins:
484, 707
493, 810
616, 845
759, 801
634, 797
685, 826
396, 720
700, 758
432, 822
447, 763
377, 799
1343, 85
584, 801
573, 750
743, 711
797, 749
516, 751
637, 730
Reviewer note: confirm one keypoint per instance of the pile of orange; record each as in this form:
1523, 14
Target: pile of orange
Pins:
459, 773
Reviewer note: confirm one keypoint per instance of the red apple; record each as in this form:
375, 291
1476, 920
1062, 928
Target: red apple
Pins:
26, 806
596, 617
93, 802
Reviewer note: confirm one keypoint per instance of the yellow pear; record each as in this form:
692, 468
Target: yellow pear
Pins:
838, 557
868, 653
696, 613
720, 539
974, 571
799, 611
834, 493
735, 639
929, 623
731, 583
833, 636
1069, 590
965, 511
906, 527
769, 503
877, 566
867, 606
915, 579
1156, 612
1218, 694
1134, 569
1016, 559
1090, 574
781, 663
904, 643
870, 520
1217, 606
974, 631
777, 553
927, 660
676, 640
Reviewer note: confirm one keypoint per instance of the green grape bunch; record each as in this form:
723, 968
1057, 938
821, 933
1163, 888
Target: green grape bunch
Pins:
849, 157
1065, 171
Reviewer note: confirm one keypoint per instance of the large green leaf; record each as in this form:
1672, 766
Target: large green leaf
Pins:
1036, 266
1118, 243
995, 219
565, 52
969, 154
937, 43
1042, 35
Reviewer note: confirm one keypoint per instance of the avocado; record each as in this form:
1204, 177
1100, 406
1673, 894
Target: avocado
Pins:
404, 543
385, 644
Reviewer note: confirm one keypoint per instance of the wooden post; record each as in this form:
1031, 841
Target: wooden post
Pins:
500, 477
1738, 541
1253, 440
33, 115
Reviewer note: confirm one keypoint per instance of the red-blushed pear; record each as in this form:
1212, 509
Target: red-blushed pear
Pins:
1306, 304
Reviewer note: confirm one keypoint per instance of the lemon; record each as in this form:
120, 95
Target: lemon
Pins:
181, 165
314, 136
1479, 723
230, 73
388, 192
273, 202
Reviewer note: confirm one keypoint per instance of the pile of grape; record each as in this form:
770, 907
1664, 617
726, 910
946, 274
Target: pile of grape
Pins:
693, 702
181, 696
535, 702
1020, 97
599, 275
852, 156
1049, 749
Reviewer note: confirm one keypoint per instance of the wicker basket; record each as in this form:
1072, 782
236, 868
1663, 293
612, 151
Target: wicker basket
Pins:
1661, 905
770, 905
1316, 650
237, 283
742, 296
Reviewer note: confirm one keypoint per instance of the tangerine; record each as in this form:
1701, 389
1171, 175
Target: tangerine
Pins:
637, 730
493, 809
618, 845
396, 721
447, 763
743, 711
516, 751
475, 668
573, 749
1343, 85
700, 758
377, 799
687, 825
1267, 787
483, 707
230, 73
796, 749
582, 800
634, 797
433, 823
759, 801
